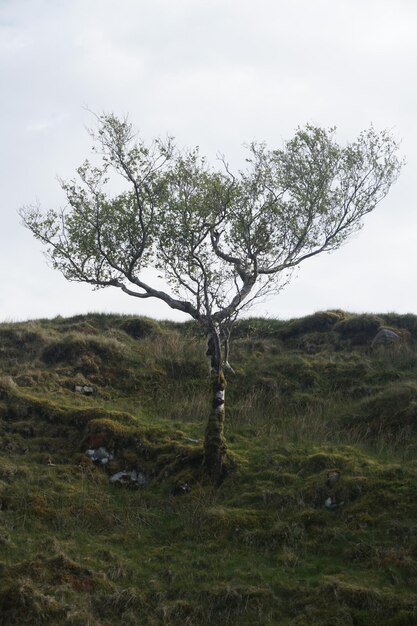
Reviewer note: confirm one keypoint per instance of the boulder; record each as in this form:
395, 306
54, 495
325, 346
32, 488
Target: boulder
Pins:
385, 337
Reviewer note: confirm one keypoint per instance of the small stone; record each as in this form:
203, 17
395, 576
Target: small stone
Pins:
100, 456
332, 477
126, 478
86, 390
181, 488
330, 503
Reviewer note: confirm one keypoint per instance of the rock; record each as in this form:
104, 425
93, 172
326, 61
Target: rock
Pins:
86, 390
331, 503
385, 337
181, 488
126, 478
101, 456
332, 478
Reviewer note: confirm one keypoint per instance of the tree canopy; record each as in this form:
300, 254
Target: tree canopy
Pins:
219, 239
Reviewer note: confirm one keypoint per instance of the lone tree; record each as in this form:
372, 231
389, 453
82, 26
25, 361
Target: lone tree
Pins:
220, 239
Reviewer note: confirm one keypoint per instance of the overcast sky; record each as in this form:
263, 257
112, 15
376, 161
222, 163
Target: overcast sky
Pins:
213, 73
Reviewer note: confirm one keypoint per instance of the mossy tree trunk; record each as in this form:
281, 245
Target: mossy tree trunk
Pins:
214, 441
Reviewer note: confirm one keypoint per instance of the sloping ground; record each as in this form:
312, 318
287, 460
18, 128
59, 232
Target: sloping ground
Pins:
315, 523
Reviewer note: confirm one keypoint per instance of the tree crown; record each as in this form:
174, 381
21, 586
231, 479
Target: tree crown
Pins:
220, 239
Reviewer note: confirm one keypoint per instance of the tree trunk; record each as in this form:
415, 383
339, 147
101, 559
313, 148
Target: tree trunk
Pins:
214, 441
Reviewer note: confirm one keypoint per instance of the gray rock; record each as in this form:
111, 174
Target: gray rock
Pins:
126, 478
101, 456
332, 477
385, 337
181, 488
86, 390
331, 503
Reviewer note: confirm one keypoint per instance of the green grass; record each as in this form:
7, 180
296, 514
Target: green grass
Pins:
307, 399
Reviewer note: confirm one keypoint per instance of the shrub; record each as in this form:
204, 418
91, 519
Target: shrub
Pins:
140, 327
321, 322
74, 346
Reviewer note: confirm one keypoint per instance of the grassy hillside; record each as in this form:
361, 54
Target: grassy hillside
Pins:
313, 417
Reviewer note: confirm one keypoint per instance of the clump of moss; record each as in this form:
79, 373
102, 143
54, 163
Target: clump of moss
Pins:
359, 330
22, 603
140, 327
41, 590
23, 341
321, 461
112, 434
320, 322
75, 346
83, 327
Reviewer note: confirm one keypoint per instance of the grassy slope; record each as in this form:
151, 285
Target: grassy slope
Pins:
308, 397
